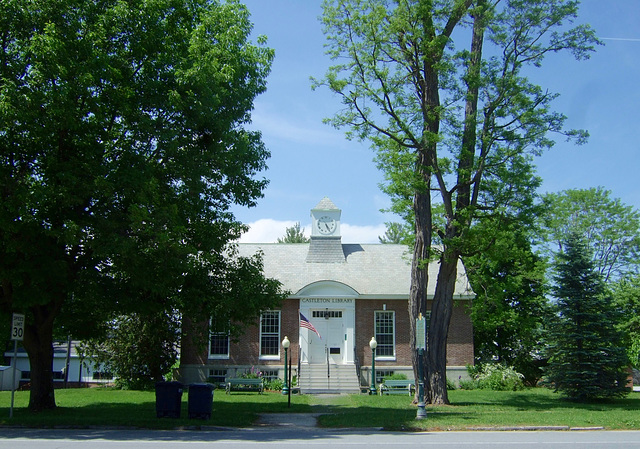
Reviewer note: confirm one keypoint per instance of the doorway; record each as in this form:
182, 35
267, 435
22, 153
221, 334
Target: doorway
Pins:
331, 347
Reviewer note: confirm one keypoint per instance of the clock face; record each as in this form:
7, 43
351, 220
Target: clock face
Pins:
326, 225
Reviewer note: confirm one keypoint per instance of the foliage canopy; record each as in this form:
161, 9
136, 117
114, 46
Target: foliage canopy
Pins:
123, 146
451, 118
611, 228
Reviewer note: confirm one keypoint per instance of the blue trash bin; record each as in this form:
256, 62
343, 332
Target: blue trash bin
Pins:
168, 399
200, 401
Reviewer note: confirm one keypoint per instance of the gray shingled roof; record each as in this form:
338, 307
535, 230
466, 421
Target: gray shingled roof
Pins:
325, 204
372, 270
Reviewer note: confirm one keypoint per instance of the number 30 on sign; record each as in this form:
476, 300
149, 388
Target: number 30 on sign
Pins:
17, 327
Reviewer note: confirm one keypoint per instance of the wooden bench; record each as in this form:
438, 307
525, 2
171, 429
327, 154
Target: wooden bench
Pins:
244, 385
397, 387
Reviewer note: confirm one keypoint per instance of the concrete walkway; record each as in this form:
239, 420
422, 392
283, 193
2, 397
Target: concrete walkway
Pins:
288, 420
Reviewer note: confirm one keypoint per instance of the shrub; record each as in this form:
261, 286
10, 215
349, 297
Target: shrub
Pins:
497, 377
253, 374
141, 349
451, 385
468, 385
273, 384
395, 376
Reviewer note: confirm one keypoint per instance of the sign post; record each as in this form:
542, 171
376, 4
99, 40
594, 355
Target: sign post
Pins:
17, 334
421, 344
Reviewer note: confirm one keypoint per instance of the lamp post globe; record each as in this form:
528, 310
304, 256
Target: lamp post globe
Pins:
285, 344
373, 344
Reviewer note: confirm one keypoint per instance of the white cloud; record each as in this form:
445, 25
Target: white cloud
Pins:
267, 230
361, 234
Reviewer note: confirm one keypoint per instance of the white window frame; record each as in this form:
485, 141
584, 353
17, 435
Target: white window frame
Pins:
271, 356
393, 333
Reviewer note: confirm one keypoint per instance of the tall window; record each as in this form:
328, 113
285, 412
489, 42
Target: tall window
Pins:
218, 344
385, 334
270, 334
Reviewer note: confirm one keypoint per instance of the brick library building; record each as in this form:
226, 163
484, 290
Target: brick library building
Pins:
342, 296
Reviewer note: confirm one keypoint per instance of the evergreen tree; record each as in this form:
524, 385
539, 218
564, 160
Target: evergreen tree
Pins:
587, 357
397, 233
294, 235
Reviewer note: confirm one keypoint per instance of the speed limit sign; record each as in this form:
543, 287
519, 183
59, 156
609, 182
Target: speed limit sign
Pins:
17, 327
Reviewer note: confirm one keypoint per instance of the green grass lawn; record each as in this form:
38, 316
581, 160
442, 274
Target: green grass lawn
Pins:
468, 410
112, 407
482, 409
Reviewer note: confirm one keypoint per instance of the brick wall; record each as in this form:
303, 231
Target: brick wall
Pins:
365, 330
459, 343
245, 352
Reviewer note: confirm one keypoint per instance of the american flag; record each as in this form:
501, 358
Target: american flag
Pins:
304, 322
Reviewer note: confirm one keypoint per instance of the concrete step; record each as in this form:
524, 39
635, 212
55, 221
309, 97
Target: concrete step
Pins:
313, 379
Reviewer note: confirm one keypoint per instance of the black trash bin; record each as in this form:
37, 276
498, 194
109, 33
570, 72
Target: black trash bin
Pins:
200, 401
168, 399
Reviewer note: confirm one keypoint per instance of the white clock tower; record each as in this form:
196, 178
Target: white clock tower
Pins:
326, 242
325, 219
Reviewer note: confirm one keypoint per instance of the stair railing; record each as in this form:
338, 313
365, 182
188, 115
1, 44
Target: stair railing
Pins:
326, 351
356, 360
299, 366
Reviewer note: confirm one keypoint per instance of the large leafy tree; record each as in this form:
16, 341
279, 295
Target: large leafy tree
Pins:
510, 307
140, 349
123, 147
448, 117
626, 294
587, 359
612, 229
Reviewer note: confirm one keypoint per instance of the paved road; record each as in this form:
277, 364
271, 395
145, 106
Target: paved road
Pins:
285, 438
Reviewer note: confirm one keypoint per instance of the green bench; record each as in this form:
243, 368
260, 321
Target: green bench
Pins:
240, 384
397, 387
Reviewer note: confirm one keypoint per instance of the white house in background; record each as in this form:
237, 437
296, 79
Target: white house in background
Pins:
77, 374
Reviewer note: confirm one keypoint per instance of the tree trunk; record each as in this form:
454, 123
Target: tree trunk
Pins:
420, 265
38, 342
459, 221
436, 364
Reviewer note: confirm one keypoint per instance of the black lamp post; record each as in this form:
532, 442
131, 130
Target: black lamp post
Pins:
373, 344
285, 344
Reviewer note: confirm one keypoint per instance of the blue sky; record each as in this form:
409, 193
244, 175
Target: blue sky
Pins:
310, 160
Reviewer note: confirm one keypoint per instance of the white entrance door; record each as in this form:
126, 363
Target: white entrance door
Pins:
331, 347
335, 340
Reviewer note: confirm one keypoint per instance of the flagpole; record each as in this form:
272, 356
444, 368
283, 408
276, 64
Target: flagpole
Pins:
299, 350
299, 346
